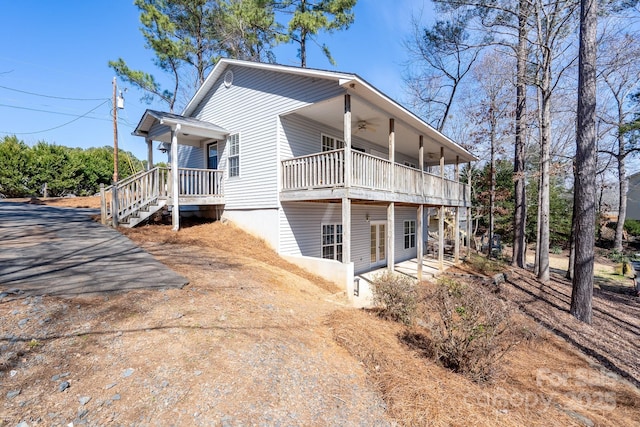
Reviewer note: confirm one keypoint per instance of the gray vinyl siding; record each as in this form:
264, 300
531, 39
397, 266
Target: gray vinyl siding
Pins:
191, 157
301, 226
251, 106
300, 136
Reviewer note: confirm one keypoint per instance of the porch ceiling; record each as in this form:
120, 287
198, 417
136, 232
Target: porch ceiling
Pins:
371, 122
158, 125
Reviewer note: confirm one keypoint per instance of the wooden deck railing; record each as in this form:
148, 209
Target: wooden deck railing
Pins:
147, 187
199, 182
326, 170
320, 170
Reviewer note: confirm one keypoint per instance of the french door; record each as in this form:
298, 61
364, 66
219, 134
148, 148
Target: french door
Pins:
378, 243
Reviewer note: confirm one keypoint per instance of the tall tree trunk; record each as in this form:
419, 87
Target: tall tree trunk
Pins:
545, 143
520, 214
572, 242
623, 187
585, 187
492, 185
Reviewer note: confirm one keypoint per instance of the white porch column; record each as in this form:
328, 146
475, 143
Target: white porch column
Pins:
391, 236
392, 153
456, 231
421, 163
347, 141
441, 239
175, 185
441, 216
346, 230
419, 239
468, 199
420, 225
149, 153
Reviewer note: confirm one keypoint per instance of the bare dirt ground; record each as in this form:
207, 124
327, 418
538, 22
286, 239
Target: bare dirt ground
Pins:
253, 340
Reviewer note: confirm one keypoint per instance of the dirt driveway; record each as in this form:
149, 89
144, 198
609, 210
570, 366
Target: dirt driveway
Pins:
48, 250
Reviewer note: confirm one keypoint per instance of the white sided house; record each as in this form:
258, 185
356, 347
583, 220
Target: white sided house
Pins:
327, 169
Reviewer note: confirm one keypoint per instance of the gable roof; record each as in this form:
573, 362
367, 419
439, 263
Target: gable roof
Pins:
352, 83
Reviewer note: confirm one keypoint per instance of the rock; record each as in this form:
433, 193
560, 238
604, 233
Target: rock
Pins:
59, 376
13, 373
82, 413
22, 323
197, 373
115, 396
3, 295
64, 385
13, 393
128, 372
499, 278
108, 386
23, 424
581, 418
84, 400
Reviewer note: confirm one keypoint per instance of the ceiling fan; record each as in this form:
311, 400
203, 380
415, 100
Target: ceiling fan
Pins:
364, 125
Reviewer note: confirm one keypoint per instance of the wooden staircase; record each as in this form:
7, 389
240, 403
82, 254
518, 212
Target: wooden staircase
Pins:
135, 199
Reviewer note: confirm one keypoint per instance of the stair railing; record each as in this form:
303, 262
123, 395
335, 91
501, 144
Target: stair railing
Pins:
132, 194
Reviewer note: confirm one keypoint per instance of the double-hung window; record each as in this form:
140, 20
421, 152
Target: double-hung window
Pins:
233, 144
409, 234
332, 241
330, 143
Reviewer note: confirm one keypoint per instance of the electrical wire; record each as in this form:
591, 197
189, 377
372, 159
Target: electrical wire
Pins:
59, 126
51, 96
49, 111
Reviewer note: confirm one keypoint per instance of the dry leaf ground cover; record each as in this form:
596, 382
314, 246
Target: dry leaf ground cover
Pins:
253, 340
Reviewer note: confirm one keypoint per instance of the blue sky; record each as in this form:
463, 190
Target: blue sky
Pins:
61, 49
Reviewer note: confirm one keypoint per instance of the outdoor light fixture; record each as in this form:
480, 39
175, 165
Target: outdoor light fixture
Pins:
356, 286
367, 218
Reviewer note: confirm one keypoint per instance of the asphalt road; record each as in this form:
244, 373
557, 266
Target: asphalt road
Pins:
48, 250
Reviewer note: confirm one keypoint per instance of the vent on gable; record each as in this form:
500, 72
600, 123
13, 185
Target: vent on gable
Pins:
228, 78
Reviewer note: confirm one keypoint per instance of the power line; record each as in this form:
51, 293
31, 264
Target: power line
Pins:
48, 111
59, 126
51, 96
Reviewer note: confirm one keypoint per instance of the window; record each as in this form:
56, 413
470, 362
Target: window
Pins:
409, 164
332, 241
330, 143
409, 234
212, 156
233, 142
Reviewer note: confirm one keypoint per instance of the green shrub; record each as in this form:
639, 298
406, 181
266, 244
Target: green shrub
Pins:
470, 329
396, 295
484, 265
632, 226
556, 250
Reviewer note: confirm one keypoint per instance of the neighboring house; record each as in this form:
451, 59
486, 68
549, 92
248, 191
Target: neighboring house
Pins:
322, 165
633, 197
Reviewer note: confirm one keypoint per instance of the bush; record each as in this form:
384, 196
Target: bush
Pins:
396, 295
632, 226
484, 265
470, 330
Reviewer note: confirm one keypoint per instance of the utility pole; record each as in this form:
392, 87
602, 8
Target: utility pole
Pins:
115, 132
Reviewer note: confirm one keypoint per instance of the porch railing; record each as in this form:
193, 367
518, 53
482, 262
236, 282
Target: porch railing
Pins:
199, 182
326, 170
147, 187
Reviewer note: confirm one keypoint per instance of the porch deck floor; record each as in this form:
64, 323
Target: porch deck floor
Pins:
410, 268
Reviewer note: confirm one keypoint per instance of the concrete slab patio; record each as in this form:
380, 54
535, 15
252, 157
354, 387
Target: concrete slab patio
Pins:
48, 250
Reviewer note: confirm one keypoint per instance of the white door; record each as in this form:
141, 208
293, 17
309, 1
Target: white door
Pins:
378, 243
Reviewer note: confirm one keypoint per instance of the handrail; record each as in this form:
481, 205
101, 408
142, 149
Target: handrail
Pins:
147, 187
326, 170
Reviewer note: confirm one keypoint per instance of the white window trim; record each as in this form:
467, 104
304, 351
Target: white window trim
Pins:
335, 140
228, 149
405, 234
335, 239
